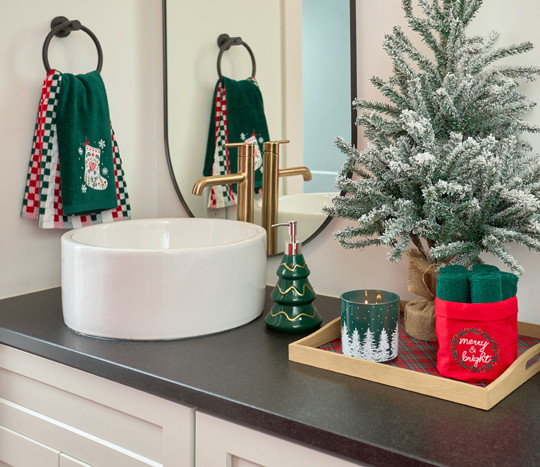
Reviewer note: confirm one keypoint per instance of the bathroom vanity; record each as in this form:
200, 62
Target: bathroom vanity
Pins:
231, 398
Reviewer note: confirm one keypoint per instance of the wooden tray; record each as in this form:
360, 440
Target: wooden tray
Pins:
305, 351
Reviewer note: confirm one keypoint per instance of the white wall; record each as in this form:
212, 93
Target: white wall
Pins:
130, 34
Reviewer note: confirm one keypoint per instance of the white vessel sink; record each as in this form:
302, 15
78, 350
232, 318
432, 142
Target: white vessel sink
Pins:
159, 279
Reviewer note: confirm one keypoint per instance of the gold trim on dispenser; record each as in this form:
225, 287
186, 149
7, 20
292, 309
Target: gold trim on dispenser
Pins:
271, 175
245, 178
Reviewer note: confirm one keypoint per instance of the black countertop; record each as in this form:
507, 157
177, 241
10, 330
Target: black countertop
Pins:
244, 375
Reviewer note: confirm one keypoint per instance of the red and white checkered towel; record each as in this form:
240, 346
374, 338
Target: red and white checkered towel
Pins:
43, 194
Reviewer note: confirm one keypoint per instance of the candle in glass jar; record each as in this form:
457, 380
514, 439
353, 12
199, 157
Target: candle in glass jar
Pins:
369, 324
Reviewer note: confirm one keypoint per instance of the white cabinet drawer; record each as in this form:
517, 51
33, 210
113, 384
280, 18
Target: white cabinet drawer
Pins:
91, 419
20, 451
220, 443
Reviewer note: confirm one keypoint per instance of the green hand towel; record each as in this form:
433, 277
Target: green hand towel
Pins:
483, 284
484, 268
509, 283
486, 287
85, 145
245, 122
453, 269
453, 284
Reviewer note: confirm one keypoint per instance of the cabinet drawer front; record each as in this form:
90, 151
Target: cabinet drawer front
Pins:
19, 450
86, 414
58, 437
220, 443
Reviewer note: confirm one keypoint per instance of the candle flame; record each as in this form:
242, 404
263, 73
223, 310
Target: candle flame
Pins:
366, 302
379, 297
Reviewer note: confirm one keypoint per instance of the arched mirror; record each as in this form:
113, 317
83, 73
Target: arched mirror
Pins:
305, 68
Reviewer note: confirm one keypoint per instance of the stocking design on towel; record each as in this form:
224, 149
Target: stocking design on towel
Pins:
92, 177
258, 162
43, 195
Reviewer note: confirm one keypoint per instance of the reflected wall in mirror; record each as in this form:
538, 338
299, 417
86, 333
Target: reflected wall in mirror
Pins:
304, 50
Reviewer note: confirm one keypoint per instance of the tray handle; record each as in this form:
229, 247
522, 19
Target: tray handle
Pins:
515, 375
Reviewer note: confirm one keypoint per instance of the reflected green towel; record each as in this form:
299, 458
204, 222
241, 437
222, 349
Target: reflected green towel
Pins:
245, 122
85, 145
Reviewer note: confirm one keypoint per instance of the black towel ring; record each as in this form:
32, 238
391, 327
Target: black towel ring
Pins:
224, 43
62, 27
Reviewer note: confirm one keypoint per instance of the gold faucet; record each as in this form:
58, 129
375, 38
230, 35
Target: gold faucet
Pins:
271, 176
245, 179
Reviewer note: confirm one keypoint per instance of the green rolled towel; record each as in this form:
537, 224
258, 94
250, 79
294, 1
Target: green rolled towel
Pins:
453, 269
479, 268
486, 287
509, 285
453, 285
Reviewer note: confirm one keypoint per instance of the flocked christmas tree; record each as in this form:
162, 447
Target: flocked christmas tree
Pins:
447, 167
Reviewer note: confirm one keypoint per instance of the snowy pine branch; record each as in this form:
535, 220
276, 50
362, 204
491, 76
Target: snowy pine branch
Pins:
447, 162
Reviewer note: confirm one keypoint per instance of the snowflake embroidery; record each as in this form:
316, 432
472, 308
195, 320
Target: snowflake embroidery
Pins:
261, 140
83, 188
242, 136
81, 151
105, 171
101, 143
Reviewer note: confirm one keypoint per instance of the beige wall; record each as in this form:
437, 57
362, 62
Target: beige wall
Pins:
130, 34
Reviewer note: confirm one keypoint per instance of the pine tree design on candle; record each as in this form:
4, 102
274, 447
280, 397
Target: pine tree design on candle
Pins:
382, 348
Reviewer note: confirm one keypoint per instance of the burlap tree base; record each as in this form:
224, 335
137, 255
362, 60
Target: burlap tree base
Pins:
419, 314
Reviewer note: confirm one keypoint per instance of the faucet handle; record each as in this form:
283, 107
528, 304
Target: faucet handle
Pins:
273, 146
244, 149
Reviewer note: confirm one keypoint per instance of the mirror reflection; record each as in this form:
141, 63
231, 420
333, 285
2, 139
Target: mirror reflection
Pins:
302, 50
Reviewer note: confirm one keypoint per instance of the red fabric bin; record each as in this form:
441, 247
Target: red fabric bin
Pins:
477, 341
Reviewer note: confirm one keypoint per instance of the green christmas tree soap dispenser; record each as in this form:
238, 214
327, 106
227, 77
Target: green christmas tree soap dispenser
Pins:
293, 310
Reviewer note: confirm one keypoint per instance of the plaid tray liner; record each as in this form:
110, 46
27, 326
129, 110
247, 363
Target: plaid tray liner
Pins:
421, 356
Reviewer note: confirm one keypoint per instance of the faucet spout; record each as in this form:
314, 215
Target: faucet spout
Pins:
304, 171
216, 180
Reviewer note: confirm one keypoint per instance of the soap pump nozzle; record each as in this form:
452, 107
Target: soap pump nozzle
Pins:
291, 247
293, 310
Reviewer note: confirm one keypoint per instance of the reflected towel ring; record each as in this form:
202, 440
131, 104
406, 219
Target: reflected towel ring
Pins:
225, 42
62, 27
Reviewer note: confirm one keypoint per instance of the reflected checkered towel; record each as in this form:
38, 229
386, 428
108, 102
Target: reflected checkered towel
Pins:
237, 117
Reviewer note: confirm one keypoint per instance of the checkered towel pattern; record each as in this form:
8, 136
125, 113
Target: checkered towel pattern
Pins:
221, 196
421, 356
43, 194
